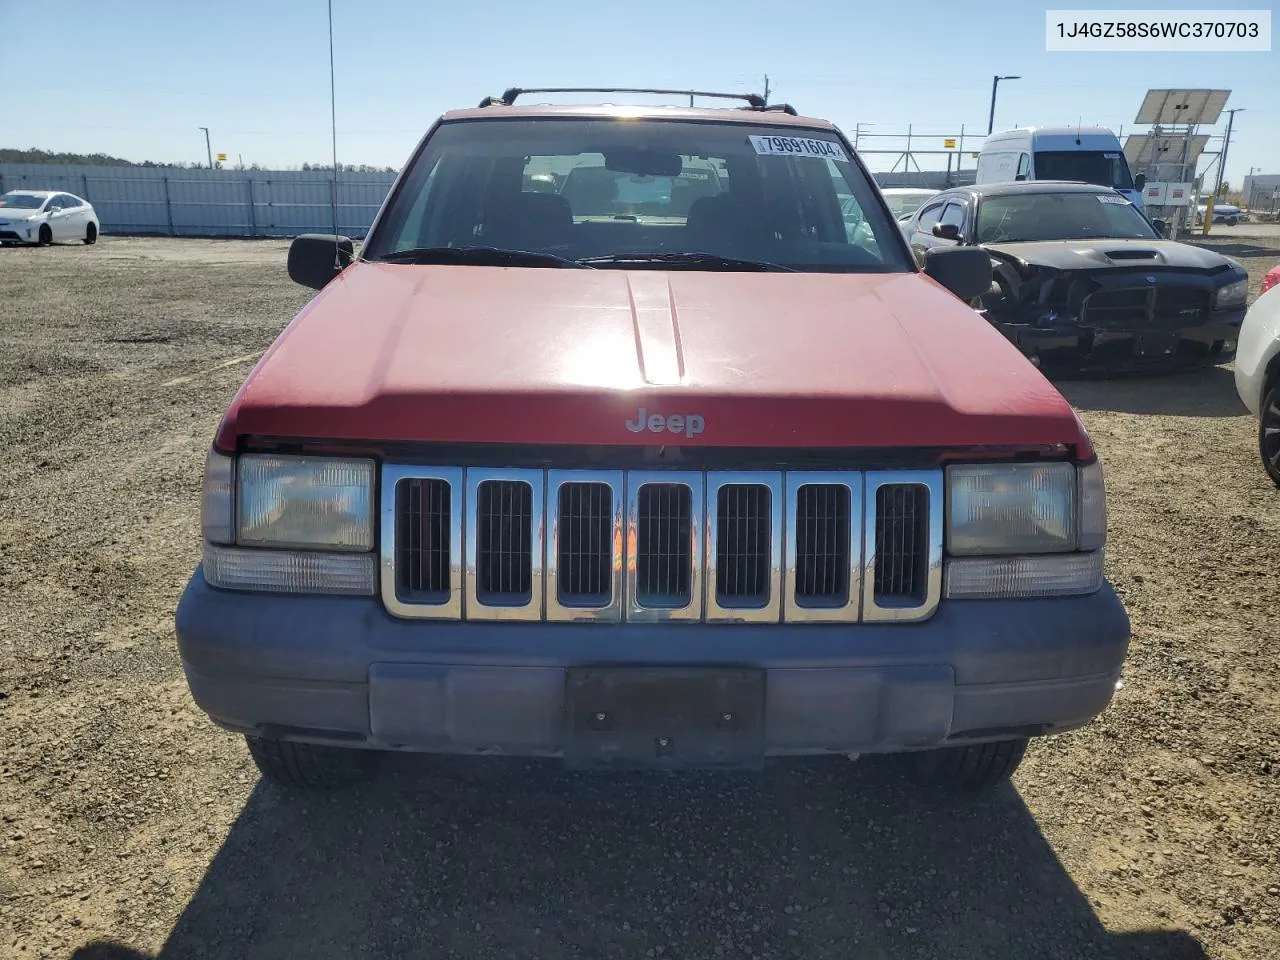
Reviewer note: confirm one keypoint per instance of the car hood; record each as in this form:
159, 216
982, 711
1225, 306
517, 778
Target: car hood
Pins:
1108, 254
18, 213
559, 356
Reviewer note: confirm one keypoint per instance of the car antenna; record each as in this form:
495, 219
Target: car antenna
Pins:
1079, 121
333, 122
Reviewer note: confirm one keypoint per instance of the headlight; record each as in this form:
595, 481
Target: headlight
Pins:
307, 502
1011, 508
1234, 294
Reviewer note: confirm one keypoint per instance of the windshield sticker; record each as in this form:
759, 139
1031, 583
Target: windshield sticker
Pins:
1105, 198
798, 147
1112, 156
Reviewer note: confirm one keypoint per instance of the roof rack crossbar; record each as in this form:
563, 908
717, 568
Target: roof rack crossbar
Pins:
509, 96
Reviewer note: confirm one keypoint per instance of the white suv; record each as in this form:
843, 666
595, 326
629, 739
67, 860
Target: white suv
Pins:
1258, 375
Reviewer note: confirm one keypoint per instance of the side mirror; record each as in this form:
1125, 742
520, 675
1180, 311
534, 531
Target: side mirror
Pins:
316, 258
965, 271
946, 231
1139, 182
1162, 227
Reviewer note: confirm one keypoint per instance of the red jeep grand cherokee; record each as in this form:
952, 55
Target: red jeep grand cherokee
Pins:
635, 437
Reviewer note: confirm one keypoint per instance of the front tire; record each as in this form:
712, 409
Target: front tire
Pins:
969, 769
91, 234
1269, 432
46, 235
309, 766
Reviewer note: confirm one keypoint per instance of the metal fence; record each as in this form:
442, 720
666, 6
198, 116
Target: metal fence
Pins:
212, 203
258, 203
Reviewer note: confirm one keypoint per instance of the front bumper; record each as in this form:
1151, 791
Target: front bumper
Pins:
1073, 347
343, 671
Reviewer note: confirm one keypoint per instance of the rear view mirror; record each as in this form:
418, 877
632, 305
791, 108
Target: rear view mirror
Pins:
965, 271
1162, 227
946, 231
316, 258
643, 163
1139, 181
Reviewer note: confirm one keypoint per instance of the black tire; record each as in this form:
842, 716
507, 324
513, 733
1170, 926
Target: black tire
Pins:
969, 769
90, 234
1269, 432
309, 766
46, 235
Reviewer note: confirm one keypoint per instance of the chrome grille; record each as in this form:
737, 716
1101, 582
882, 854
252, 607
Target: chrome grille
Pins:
742, 545
658, 545
664, 545
902, 512
504, 543
422, 554
823, 560
584, 544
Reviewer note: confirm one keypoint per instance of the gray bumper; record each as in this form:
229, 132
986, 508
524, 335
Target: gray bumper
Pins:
341, 670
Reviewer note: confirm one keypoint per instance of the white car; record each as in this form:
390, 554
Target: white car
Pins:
1258, 375
43, 216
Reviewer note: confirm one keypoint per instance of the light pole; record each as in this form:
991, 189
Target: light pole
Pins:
207, 148
1222, 160
991, 118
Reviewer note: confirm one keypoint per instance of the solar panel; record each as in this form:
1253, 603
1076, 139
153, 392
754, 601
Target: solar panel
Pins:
1142, 149
1182, 106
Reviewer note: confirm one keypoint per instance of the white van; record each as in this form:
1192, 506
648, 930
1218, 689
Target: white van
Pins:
1084, 154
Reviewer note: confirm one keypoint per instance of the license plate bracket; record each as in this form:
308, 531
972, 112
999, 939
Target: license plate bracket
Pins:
632, 718
1155, 344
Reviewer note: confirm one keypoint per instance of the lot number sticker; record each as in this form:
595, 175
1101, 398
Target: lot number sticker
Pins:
1105, 198
798, 147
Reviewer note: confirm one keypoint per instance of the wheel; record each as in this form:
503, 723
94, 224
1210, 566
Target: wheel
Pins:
1269, 432
91, 234
972, 768
46, 235
1232, 221
308, 766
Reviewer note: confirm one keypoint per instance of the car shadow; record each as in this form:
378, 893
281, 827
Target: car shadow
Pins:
1210, 392
472, 857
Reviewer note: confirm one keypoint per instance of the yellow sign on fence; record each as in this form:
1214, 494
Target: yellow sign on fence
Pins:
222, 156
949, 143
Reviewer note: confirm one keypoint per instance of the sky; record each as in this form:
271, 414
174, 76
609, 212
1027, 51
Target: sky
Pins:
137, 79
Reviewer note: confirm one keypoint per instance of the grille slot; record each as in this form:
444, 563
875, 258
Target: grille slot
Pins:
423, 540
1118, 308
584, 545
821, 533
902, 544
664, 545
1179, 306
504, 542
743, 545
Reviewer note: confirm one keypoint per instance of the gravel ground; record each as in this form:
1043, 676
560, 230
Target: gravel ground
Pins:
133, 829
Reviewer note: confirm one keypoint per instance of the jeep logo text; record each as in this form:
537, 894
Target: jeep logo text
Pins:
690, 424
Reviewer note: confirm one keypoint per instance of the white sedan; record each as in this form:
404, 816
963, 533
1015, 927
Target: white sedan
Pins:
43, 216
1258, 375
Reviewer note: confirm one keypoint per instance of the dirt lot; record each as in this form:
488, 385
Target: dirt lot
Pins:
128, 818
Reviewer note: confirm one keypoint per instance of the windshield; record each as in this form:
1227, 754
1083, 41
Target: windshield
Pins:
1060, 216
583, 189
21, 201
1105, 168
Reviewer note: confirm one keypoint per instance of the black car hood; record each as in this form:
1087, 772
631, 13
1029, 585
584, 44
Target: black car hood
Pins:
1110, 254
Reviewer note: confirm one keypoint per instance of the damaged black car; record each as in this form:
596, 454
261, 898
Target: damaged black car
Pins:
1084, 283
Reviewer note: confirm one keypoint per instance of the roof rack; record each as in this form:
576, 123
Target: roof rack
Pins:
754, 100
786, 108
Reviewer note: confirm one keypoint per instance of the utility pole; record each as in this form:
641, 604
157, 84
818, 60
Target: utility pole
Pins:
766, 88
991, 118
1222, 160
207, 148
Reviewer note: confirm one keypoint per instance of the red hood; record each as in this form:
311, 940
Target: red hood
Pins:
544, 356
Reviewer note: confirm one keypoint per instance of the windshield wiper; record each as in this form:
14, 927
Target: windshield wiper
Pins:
479, 256
691, 258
